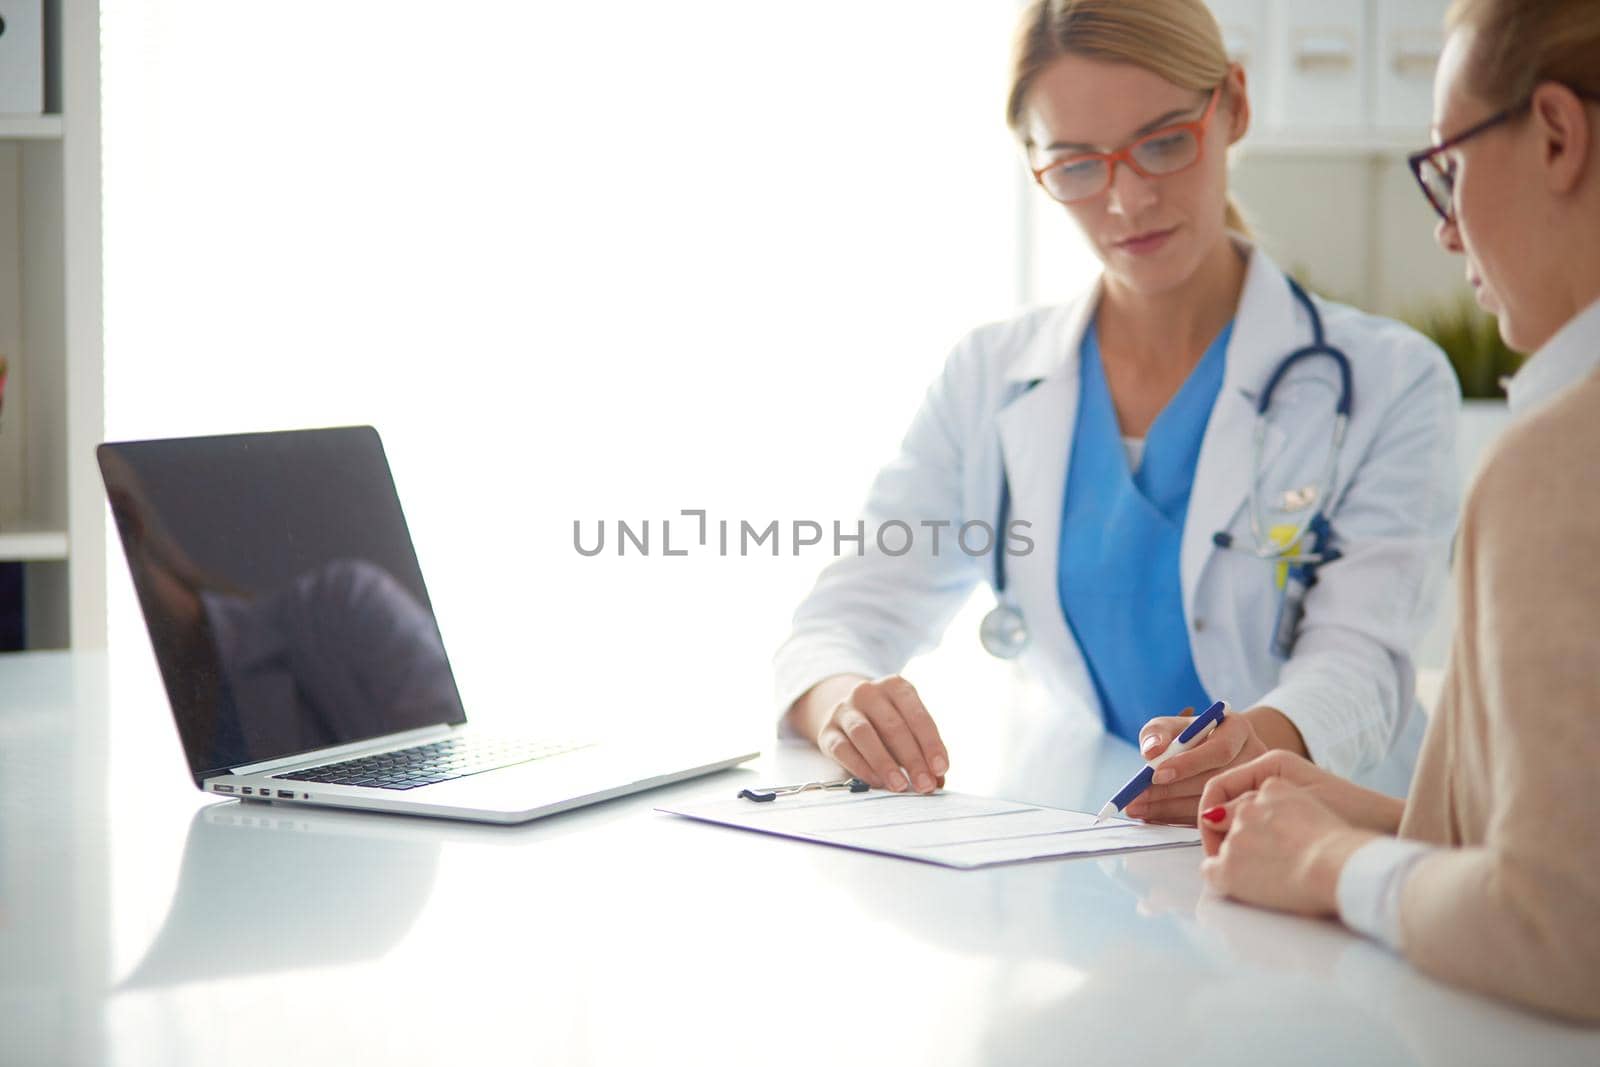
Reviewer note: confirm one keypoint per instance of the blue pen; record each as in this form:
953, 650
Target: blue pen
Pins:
1192, 735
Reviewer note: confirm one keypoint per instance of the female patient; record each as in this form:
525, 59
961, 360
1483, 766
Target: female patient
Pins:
1494, 879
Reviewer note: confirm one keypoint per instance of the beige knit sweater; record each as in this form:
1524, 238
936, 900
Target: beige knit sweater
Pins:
1509, 775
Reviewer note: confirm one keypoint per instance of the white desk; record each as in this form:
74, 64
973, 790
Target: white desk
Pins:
141, 925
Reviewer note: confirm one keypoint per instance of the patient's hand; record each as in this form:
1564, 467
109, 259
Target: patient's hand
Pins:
1279, 846
1361, 808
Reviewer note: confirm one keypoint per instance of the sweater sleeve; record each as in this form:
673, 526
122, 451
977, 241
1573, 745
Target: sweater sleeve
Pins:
1371, 883
1514, 915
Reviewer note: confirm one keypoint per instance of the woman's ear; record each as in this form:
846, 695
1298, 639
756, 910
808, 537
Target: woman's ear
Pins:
1566, 136
1238, 99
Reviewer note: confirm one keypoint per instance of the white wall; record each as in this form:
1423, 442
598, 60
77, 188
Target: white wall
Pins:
603, 261
574, 261
1356, 225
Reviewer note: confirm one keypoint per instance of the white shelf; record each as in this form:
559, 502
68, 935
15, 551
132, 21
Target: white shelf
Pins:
1285, 143
26, 545
30, 127
52, 511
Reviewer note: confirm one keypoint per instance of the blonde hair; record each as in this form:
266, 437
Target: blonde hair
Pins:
1175, 39
1519, 44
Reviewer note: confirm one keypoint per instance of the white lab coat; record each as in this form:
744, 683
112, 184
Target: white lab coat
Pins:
1349, 686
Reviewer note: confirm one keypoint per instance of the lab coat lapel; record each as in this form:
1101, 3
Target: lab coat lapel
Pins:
1268, 325
1035, 440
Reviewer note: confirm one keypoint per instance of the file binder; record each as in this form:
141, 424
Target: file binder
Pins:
21, 57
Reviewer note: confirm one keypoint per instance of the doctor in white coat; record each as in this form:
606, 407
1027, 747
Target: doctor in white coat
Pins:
1111, 439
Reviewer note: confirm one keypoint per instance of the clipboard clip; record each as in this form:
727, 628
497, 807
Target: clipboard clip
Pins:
762, 796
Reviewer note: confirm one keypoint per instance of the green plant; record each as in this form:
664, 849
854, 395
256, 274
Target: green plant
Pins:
1470, 338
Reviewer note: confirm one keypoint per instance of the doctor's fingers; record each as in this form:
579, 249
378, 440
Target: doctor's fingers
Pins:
1222, 747
839, 748
1174, 811
1163, 797
905, 727
1158, 733
864, 733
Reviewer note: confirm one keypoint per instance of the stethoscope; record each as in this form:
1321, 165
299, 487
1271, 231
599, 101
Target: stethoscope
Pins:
1004, 632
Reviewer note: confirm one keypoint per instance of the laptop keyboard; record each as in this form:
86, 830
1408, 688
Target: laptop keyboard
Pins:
441, 761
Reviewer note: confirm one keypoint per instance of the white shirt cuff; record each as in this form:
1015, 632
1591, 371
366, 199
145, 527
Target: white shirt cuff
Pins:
1370, 885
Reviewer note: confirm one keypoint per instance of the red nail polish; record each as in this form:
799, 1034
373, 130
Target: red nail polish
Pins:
1216, 814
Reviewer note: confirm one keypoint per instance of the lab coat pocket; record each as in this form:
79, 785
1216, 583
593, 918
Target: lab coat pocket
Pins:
1294, 482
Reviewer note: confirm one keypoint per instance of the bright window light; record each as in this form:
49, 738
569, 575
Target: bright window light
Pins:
576, 262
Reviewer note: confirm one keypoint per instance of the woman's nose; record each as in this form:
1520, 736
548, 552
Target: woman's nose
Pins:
1130, 191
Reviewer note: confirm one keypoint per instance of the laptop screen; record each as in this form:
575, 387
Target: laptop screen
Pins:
281, 592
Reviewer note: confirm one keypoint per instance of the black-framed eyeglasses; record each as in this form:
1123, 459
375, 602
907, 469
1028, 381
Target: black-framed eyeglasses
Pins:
1437, 177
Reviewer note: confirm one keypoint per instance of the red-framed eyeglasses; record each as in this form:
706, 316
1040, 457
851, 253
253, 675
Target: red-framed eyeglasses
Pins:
1155, 155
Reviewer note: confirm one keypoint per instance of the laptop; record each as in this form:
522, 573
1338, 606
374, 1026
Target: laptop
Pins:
300, 651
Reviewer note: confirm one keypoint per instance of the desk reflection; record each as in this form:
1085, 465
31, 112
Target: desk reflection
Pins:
264, 889
1073, 943
1430, 1023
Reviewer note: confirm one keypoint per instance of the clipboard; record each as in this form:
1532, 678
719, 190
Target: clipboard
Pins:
948, 829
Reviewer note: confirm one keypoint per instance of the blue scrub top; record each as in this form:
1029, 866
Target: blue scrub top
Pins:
1121, 533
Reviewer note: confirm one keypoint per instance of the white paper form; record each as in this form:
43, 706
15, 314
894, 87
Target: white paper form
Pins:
950, 829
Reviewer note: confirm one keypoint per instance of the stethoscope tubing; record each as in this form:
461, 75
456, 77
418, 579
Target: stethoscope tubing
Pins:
1303, 563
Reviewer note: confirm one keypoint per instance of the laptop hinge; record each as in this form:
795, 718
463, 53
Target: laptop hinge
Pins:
325, 755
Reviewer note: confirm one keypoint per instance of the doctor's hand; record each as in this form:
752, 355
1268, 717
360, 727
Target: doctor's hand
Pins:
873, 728
1174, 794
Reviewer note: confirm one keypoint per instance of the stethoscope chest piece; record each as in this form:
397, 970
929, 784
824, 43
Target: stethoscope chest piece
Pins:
1003, 633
